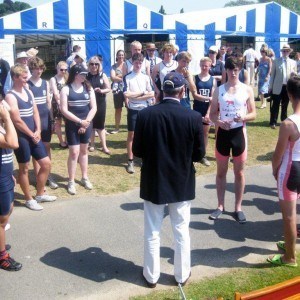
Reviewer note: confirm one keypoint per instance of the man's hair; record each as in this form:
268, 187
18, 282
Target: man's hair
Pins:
205, 59
17, 70
172, 92
184, 55
135, 43
137, 56
293, 86
36, 63
76, 48
233, 62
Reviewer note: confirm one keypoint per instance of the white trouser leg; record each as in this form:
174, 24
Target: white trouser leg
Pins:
153, 217
180, 220
250, 66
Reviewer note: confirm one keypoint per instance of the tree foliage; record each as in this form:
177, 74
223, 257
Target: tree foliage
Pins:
9, 7
162, 10
293, 5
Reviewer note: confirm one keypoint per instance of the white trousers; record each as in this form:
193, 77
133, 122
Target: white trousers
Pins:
250, 67
180, 220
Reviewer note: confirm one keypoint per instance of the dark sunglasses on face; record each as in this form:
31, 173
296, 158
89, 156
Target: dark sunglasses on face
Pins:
211, 52
94, 64
63, 70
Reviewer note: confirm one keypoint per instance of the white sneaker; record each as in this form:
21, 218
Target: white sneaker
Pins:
7, 227
204, 161
130, 167
51, 183
45, 198
71, 188
33, 205
86, 183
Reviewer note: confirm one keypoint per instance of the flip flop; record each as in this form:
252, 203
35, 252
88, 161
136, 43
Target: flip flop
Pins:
277, 261
281, 245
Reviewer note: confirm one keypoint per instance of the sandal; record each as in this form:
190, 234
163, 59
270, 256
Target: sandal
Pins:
216, 214
63, 145
106, 152
281, 245
277, 260
240, 217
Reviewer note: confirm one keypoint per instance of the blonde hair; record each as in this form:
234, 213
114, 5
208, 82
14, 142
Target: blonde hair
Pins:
204, 59
61, 64
17, 70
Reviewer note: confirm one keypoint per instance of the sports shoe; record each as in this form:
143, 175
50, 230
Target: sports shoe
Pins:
204, 161
51, 183
71, 188
9, 264
33, 205
7, 227
86, 183
115, 131
130, 167
45, 198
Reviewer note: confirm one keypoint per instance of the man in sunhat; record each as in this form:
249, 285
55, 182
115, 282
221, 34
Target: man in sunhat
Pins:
22, 58
282, 69
168, 138
153, 59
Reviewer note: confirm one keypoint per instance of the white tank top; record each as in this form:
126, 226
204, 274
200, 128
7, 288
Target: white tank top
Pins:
294, 147
165, 69
233, 105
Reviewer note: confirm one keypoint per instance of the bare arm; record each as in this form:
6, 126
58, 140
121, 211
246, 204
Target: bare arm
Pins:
114, 77
9, 139
106, 86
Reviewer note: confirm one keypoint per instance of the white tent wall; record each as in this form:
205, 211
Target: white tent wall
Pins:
196, 49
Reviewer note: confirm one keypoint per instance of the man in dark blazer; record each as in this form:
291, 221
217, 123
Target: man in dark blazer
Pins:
282, 69
168, 138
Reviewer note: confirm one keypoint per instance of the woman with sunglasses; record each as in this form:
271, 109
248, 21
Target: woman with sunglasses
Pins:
57, 82
217, 67
78, 105
101, 86
116, 75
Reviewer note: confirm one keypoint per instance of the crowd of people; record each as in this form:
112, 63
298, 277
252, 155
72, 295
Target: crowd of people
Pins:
169, 115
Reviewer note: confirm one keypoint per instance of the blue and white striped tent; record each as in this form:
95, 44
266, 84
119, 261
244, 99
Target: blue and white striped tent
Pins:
98, 24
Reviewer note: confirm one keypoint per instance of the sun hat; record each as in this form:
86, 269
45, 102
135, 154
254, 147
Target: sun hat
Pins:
81, 55
213, 48
286, 47
22, 54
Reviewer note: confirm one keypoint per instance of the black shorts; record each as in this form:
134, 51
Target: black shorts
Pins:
119, 100
234, 140
6, 200
131, 119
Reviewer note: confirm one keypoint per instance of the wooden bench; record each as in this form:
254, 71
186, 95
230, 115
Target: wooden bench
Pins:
286, 290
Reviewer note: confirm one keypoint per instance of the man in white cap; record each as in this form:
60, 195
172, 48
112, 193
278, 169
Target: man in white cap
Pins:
22, 58
282, 69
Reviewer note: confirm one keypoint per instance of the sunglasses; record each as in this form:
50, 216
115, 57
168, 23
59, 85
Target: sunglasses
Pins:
211, 52
151, 50
63, 70
285, 50
94, 64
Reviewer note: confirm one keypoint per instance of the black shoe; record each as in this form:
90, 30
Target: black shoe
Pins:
216, 214
7, 247
149, 284
185, 282
240, 217
9, 264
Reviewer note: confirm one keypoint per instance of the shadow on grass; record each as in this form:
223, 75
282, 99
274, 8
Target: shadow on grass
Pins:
219, 258
265, 157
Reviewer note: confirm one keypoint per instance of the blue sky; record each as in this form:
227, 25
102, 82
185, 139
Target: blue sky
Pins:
170, 6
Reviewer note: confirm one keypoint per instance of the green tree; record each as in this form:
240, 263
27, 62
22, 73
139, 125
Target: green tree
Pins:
239, 3
293, 5
182, 11
162, 10
9, 7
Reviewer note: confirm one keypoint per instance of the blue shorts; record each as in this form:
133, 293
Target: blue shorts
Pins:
73, 137
6, 200
131, 119
28, 148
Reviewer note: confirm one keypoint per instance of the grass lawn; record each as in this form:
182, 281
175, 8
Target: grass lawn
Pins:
238, 280
108, 174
